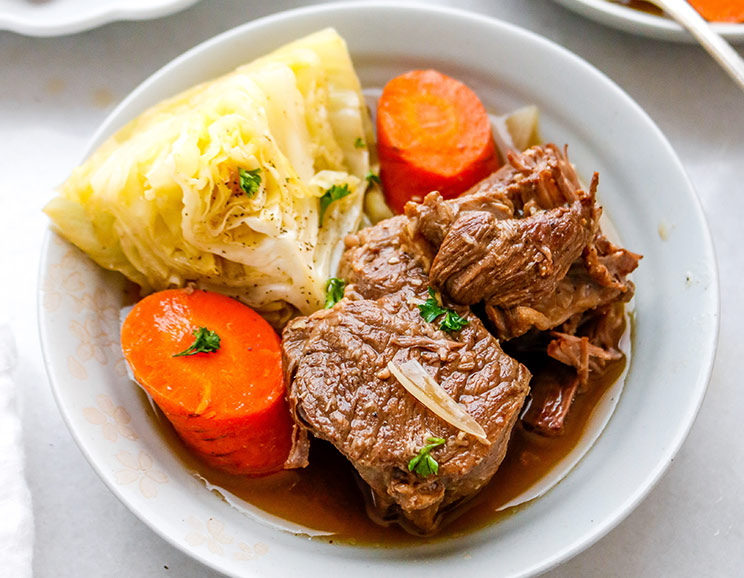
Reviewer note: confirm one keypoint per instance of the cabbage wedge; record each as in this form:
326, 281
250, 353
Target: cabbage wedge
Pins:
221, 185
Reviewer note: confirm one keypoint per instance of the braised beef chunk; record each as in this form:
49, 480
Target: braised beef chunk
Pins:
608, 264
590, 341
583, 289
552, 391
576, 293
431, 219
340, 390
378, 262
534, 255
577, 352
513, 261
538, 178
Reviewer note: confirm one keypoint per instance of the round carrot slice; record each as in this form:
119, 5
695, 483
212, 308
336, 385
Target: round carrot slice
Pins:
433, 133
226, 404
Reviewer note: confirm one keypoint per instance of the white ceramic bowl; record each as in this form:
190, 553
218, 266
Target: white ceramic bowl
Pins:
60, 17
645, 24
643, 188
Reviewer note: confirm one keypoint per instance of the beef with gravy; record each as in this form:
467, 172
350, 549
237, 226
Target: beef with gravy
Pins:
522, 259
341, 390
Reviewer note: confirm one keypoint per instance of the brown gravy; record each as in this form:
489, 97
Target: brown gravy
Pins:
641, 5
324, 496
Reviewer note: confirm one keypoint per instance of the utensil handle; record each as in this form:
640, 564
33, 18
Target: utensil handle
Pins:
718, 48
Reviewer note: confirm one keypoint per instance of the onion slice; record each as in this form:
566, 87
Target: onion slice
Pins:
417, 381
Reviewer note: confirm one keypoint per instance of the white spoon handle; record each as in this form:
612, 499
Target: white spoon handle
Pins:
718, 48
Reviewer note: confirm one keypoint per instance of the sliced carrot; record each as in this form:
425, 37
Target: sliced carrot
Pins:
228, 405
720, 10
433, 133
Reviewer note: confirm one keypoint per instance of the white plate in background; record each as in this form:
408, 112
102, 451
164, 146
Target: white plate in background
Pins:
60, 17
645, 24
643, 188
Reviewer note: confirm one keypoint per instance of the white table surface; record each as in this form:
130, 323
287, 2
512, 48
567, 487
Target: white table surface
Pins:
55, 92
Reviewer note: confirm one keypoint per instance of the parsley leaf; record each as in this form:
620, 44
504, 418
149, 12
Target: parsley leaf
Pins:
333, 194
334, 291
431, 309
206, 342
250, 181
423, 464
373, 178
359, 143
452, 321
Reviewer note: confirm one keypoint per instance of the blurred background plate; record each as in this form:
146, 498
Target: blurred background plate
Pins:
60, 17
644, 23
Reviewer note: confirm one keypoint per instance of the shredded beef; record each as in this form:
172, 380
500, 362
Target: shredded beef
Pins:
576, 293
514, 261
552, 391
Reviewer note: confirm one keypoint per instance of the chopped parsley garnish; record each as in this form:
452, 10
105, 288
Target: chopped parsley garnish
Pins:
333, 194
373, 178
250, 181
206, 342
359, 143
431, 309
334, 291
452, 321
423, 464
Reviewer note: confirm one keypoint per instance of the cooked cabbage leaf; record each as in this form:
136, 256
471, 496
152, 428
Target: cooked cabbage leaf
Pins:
161, 201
